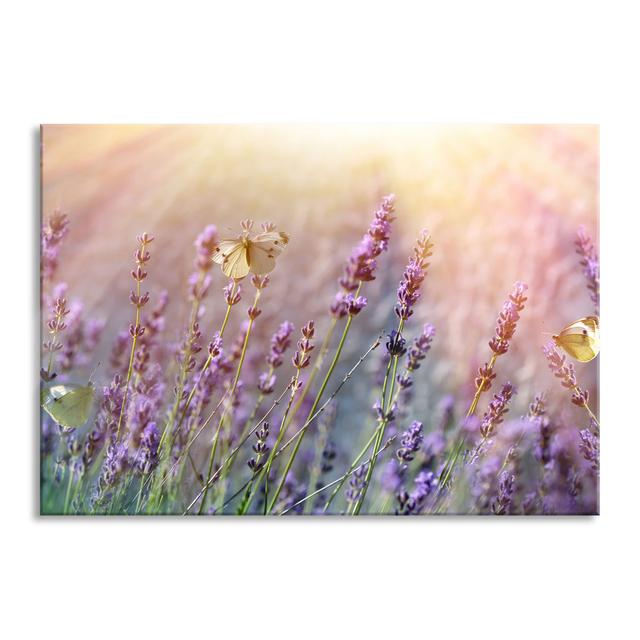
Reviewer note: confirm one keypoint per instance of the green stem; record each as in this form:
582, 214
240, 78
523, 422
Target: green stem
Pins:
354, 464
453, 458
316, 467
324, 348
206, 365
334, 362
131, 356
264, 472
386, 407
68, 494
214, 446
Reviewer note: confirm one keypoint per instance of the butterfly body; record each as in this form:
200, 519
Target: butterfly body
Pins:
68, 404
580, 339
245, 254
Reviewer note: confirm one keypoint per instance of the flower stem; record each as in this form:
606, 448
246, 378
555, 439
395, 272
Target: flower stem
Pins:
68, 494
236, 378
206, 365
134, 341
264, 473
386, 407
455, 452
323, 386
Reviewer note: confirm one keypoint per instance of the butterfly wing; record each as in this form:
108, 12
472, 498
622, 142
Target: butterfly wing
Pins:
224, 250
261, 259
272, 241
582, 348
264, 249
69, 405
581, 339
235, 264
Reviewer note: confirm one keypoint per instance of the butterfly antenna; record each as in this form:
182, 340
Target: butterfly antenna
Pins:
94, 370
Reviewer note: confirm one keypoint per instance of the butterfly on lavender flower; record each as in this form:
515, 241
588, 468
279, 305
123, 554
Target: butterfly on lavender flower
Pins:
580, 339
256, 254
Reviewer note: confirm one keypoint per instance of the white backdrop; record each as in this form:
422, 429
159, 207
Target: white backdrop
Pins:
180, 62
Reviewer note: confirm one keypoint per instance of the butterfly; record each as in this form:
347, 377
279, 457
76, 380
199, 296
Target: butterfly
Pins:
68, 404
580, 339
244, 253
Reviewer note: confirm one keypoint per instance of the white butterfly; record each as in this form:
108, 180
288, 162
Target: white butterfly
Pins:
246, 254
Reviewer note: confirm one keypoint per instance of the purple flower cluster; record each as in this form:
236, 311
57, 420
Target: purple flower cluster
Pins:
53, 233
142, 257
105, 422
504, 332
501, 505
116, 461
232, 295
411, 440
416, 355
590, 265
200, 280
356, 484
496, 411
361, 265
508, 319
56, 324
301, 357
205, 244
414, 274
260, 448
147, 456
260, 282
412, 503
280, 342
590, 449
565, 371
396, 344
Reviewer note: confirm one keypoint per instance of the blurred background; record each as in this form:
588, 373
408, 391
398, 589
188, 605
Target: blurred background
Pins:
503, 203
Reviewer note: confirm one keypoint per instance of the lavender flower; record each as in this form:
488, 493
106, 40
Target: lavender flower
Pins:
56, 324
501, 505
356, 484
590, 449
498, 407
261, 449
205, 244
590, 265
557, 362
414, 274
280, 342
147, 456
508, 319
53, 233
412, 503
301, 357
411, 440
328, 456
538, 414
416, 355
504, 332
361, 266
260, 282
396, 344
354, 304
232, 295
138, 300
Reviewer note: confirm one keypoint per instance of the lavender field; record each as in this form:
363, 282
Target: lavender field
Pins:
318, 320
